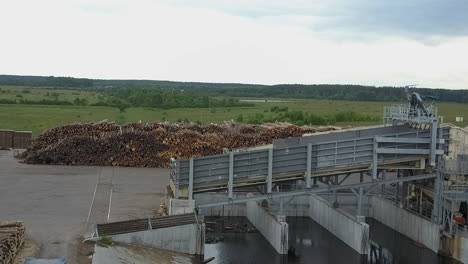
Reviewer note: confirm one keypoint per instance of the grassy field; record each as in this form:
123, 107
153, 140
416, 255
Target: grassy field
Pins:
38, 118
36, 94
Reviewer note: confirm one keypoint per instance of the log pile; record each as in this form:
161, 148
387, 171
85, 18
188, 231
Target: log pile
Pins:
150, 144
11, 240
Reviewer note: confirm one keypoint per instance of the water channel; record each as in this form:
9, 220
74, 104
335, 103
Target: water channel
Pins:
311, 243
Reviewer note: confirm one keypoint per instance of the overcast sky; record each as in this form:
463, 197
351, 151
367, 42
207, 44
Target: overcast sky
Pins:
387, 42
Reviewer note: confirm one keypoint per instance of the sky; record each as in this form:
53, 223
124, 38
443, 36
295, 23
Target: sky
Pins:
369, 42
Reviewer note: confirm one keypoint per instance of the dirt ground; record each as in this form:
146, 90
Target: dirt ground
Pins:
59, 204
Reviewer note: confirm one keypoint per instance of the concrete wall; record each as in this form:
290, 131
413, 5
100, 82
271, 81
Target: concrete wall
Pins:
407, 223
179, 206
273, 228
457, 246
189, 239
341, 224
298, 206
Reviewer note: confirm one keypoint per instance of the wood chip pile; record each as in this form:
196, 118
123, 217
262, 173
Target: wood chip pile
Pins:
11, 240
150, 144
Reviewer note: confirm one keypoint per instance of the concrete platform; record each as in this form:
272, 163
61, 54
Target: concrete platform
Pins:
55, 201
124, 254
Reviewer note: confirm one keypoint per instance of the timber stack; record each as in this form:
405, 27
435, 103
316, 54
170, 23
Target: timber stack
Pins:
11, 240
150, 144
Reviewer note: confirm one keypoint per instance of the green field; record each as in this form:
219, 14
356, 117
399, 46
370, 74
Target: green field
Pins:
38, 118
36, 94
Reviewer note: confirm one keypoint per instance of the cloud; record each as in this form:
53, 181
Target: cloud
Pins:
144, 39
424, 20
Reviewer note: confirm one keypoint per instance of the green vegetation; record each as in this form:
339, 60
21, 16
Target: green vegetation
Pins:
43, 106
298, 91
38, 118
107, 240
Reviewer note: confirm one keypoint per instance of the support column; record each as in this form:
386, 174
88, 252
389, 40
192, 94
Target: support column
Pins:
361, 194
190, 194
270, 170
374, 160
309, 165
437, 194
231, 175
434, 126
384, 176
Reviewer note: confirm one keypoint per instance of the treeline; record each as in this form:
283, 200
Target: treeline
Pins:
42, 81
316, 91
167, 99
123, 98
301, 118
35, 102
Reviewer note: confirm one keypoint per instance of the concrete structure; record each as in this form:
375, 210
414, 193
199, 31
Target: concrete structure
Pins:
457, 247
55, 201
123, 254
273, 228
343, 225
189, 239
179, 206
409, 224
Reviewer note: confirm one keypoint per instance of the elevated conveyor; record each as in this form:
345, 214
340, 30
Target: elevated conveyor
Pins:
304, 158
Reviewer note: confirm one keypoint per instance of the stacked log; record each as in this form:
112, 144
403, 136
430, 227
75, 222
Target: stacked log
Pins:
150, 144
11, 240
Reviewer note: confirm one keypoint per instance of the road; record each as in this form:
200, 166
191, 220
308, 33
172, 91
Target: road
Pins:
56, 202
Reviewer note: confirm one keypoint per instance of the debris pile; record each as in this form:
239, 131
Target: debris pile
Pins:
150, 144
11, 240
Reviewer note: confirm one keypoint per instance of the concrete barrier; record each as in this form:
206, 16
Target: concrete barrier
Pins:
179, 206
273, 228
189, 239
341, 224
409, 224
457, 246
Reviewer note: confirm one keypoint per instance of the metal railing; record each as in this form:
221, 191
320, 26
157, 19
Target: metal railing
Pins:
406, 113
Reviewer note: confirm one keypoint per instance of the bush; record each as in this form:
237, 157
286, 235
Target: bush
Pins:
6, 101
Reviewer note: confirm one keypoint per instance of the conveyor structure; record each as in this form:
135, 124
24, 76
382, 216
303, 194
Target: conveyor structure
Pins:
309, 159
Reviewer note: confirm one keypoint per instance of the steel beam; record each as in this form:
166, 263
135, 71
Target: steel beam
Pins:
320, 190
407, 140
270, 171
190, 187
360, 195
434, 126
408, 151
375, 159
309, 165
231, 175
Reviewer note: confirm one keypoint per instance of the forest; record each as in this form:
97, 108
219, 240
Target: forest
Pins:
301, 91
